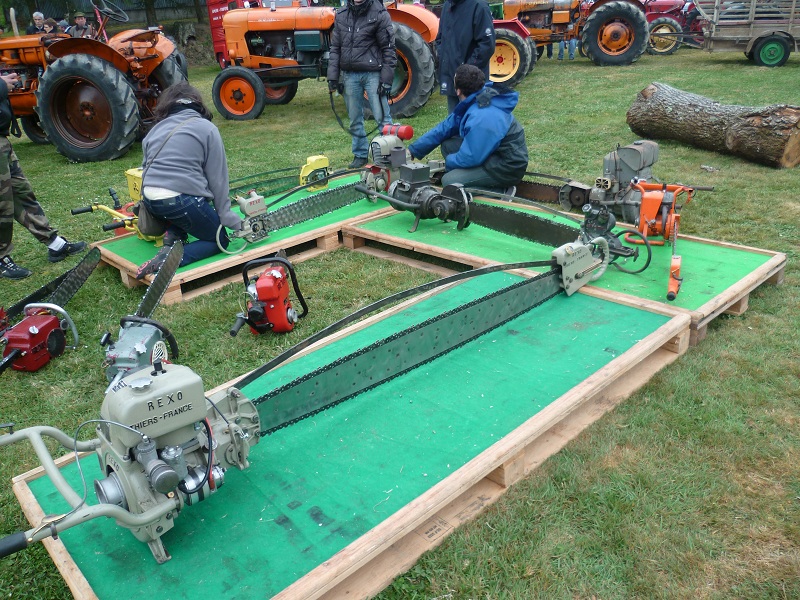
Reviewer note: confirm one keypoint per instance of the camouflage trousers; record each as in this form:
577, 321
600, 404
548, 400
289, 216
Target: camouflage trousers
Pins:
18, 202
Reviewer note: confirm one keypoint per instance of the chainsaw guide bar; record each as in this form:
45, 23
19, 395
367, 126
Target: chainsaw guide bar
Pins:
161, 282
313, 206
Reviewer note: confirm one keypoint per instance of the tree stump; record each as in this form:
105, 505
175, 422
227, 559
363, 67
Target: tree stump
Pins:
769, 135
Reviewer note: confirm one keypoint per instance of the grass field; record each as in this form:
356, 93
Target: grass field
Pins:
690, 489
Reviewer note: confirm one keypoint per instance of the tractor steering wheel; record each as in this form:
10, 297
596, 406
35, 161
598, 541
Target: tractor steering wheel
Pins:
112, 11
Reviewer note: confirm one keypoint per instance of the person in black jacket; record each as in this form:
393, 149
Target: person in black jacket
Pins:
17, 200
38, 24
362, 61
466, 36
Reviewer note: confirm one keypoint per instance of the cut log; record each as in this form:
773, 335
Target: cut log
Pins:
769, 135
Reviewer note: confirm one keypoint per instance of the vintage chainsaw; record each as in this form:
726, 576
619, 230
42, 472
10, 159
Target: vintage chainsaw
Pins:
268, 304
39, 336
142, 340
571, 266
162, 445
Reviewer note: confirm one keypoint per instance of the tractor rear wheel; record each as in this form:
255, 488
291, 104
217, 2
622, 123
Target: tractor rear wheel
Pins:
280, 95
33, 129
239, 94
665, 36
511, 59
771, 51
413, 75
615, 34
87, 108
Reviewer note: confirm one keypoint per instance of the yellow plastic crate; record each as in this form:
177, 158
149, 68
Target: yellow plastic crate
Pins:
134, 184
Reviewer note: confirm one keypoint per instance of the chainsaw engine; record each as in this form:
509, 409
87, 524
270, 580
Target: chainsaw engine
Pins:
388, 153
31, 343
163, 444
620, 167
141, 343
268, 304
254, 225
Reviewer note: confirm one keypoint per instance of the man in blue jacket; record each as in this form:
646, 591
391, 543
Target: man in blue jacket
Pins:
466, 36
483, 144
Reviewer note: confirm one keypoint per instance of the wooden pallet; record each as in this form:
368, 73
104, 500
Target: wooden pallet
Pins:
374, 560
207, 278
733, 301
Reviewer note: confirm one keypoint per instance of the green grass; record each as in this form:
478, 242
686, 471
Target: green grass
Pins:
690, 489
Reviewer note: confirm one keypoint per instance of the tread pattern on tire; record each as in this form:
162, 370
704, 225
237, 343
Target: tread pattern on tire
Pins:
524, 51
608, 12
118, 92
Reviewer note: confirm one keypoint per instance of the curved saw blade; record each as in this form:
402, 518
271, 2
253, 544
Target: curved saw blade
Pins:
37, 296
161, 282
75, 278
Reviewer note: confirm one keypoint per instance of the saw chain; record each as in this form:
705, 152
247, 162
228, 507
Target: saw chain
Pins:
314, 206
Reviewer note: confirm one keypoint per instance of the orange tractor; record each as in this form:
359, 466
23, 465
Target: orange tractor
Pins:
88, 98
270, 49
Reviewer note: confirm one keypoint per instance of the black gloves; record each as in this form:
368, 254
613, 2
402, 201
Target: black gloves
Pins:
332, 85
385, 89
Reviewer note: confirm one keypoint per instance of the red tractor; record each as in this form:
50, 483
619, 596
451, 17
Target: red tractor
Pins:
672, 23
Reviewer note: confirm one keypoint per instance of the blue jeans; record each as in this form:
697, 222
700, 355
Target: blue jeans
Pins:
356, 84
193, 215
573, 43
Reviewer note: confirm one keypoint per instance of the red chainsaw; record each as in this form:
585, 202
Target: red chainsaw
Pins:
659, 215
268, 304
39, 336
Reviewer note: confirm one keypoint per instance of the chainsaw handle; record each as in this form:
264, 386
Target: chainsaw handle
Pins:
241, 321
13, 543
113, 225
82, 210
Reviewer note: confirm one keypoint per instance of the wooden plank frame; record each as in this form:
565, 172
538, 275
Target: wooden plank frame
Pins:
374, 560
733, 300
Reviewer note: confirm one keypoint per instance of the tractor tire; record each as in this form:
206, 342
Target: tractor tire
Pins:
615, 34
33, 129
183, 64
169, 72
511, 59
668, 43
771, 51
87, 108
239, 94
413, 76
280, 95
535, 54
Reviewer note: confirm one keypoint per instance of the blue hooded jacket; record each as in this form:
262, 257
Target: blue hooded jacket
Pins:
492, 137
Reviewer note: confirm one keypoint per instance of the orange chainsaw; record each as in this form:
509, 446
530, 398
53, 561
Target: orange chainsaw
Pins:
659, 215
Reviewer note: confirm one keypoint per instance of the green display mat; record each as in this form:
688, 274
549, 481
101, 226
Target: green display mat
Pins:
707, 269
320, 484
139, 251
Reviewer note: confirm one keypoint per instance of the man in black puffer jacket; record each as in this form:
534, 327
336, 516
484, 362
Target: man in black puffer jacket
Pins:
362, 62
17, 200
466, 37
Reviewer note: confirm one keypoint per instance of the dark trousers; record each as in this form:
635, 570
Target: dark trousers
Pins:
18, 202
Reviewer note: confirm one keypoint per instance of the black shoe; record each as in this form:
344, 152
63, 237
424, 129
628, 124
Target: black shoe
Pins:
152, 266
11, 270
358, 162
67, 249
170, 238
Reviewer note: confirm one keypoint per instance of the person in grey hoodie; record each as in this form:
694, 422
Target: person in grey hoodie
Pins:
185, 177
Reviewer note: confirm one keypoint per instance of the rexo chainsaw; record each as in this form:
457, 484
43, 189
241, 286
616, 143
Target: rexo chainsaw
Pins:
142, 341
162, 445
39, 336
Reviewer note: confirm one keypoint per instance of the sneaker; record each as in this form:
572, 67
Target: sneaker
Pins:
358, 162
510, 191
11, 270
152, 266
67, 249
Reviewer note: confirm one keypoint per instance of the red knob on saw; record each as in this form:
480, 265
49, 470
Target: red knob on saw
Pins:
404, 132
